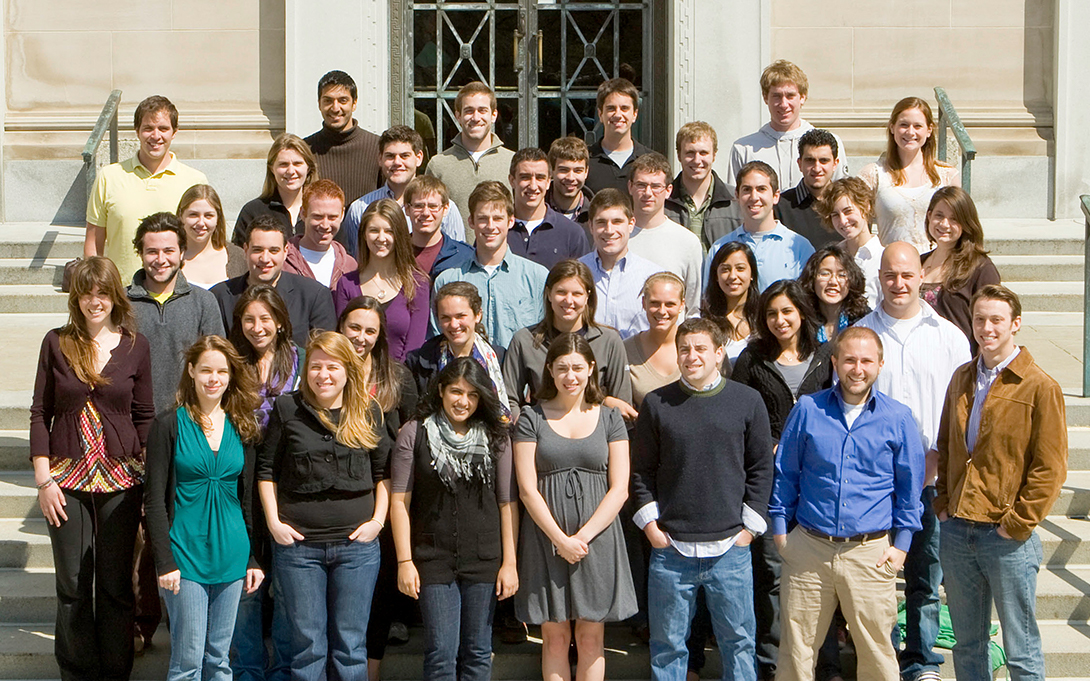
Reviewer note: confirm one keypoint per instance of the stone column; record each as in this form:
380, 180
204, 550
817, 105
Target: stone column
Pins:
718, 52
349, 35
1072, 108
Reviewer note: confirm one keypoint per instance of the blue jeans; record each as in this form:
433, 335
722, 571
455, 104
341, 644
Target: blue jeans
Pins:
327, 588
672, 582
202, 619
923, 575
982, 566
458, 630
249, 657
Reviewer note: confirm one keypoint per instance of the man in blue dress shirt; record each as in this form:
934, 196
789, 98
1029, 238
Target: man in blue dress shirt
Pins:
780, 252
849, 472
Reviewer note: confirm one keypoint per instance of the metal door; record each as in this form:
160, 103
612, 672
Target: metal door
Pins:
543, 58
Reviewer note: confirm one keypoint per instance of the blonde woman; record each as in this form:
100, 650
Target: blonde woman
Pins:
322, 481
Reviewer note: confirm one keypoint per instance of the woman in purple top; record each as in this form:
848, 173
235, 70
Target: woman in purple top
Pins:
388, 272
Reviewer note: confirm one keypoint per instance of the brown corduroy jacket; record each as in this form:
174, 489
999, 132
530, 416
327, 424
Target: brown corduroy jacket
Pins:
1020, 460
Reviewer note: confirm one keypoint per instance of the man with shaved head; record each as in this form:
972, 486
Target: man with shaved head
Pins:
922, 351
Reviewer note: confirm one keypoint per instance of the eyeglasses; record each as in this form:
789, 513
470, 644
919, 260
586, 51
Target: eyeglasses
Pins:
826, 275
656, 188
430, 207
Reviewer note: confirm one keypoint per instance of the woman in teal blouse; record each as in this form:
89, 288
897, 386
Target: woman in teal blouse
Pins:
198, 499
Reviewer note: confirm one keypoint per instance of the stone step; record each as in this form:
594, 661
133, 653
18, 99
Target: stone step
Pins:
1039, 267
18, 495
1057, 319
1074, 500
1066, 541
1078, 449
24, 543
15, 450
40, 241
1049, 296
32, 298
31, 271
1078, 412
1022, 236
15, 409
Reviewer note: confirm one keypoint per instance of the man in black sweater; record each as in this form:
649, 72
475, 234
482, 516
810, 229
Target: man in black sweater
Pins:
701, 478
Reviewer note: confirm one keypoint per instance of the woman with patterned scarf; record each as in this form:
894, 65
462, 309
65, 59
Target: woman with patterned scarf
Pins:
454, 518
458, 315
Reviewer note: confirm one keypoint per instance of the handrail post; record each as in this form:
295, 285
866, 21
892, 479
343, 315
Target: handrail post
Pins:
1085, 201
948, 117
107, 119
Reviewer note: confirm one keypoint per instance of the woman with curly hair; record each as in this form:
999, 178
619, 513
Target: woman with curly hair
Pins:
837, 291
199, 506
847, 207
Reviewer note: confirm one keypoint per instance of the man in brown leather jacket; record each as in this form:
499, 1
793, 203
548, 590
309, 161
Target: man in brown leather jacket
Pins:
1002, 460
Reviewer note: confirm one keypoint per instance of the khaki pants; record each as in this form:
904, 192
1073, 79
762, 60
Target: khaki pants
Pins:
817, 574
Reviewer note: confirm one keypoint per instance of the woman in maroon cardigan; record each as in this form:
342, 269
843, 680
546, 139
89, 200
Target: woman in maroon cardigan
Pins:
88, 427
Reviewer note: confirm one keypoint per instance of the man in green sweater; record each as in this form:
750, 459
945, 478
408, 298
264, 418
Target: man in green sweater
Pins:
476, 154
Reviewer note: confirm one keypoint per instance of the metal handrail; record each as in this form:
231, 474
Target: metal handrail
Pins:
108, 117
948, 118
1085, 201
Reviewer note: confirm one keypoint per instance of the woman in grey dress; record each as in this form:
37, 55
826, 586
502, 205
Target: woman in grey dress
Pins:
571, 461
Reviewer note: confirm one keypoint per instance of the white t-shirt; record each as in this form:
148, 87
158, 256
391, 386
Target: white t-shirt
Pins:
531, 225
852, 412
620, 157
321, 263
476, 155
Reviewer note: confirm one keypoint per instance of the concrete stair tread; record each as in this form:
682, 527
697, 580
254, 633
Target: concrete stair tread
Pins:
1031, 229
31, 531
34, 232
1046, 287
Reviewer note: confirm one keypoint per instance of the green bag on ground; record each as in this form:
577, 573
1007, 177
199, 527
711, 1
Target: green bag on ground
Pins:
946, 635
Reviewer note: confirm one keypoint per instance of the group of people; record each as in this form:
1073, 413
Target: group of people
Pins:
566, 380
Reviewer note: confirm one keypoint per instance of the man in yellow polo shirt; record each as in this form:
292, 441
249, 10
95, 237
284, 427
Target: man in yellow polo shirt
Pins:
127, 192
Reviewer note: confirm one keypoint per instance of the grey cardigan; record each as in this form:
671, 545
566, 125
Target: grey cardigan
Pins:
524, 365
189, 313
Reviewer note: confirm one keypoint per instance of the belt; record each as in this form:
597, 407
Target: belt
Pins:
844, 540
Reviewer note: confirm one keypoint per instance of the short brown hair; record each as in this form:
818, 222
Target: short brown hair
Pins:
999, 292
618, 86
151, 106
325, 189
856, 191
691, 132
491, 191
610, 198
423, 185
527, 155
783, 72
155, 224
694, 325
400, 133
294, 143
570, 149
474, 88
857, 333
758, 167
652, 162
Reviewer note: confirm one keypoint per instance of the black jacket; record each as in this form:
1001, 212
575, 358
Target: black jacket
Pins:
602, 172
310, 305
719, 221
159, 492
762, 375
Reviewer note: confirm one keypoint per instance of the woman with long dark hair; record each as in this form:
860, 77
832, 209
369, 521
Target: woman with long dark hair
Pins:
837, 291
905, 177
455, 519
570, 302
958, 266
198, 503
572, 463
89, 421
730, 299
388, 273
261, 334
322, 481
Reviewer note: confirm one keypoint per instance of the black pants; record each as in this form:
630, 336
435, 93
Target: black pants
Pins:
93, 557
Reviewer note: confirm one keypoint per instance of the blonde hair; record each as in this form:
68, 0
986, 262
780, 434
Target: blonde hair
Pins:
691, 132
783, 72
357, 427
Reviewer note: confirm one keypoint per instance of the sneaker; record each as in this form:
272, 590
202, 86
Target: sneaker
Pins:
928, 675
399, 634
